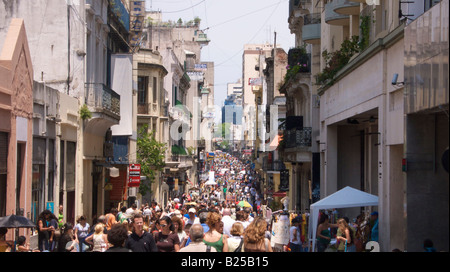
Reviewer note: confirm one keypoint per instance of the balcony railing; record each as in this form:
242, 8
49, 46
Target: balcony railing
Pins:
298, 138
272, 166
298, 56
102, 99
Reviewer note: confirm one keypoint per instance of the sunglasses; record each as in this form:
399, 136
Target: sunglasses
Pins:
163, 225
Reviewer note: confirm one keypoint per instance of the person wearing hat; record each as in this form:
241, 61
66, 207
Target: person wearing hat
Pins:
193, 219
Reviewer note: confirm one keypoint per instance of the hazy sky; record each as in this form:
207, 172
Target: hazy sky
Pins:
231, 23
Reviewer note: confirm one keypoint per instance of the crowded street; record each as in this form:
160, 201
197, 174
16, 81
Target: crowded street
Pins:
284, 127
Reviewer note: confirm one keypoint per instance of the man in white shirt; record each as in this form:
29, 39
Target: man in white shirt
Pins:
192, 218
227, 221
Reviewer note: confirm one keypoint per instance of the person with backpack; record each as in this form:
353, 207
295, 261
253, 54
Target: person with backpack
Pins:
197, 244
236, 239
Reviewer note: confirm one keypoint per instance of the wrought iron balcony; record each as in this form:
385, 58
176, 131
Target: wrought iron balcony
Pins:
298, 138
298, 56
102, 99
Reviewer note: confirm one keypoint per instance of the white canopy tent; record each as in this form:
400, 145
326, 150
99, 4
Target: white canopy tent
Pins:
347, 197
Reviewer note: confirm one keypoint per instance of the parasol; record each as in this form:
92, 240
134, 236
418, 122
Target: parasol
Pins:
244, 204
16, 221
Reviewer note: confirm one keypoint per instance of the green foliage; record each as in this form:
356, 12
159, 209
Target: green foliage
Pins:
85, 113
298, 63
365, 32
335, 61
150, 155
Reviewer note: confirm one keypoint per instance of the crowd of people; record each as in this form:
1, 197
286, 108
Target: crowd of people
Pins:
181, 228
227, 215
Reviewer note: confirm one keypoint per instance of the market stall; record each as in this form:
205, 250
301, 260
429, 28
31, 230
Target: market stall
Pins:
345, 198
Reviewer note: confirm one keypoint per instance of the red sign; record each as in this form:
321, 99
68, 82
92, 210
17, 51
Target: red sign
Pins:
134, 174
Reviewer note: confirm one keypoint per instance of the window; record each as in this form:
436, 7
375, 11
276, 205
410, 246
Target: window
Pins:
155, 90
142, 90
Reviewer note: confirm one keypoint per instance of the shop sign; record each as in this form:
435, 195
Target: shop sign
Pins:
134, 174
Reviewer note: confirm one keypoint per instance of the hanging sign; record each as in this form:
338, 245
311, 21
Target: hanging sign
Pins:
134, 174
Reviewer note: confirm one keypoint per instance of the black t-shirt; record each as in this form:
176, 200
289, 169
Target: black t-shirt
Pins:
144, 243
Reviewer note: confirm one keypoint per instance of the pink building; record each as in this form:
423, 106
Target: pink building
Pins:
16, 113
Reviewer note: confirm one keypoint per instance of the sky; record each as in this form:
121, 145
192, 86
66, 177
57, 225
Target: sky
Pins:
229, 25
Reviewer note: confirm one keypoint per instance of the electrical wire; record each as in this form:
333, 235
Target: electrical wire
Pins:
268, 18
176, 11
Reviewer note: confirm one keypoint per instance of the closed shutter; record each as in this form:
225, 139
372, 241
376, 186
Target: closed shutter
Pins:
3, 152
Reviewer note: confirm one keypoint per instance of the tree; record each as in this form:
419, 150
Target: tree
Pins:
150, 155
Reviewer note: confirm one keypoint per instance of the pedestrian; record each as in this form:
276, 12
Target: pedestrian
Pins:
197, 243
61, 217
5, 246
111, 218
81, 231
192, 219
44, 230
374, 226
130, 212
178, 227
254, 237
23, 246
213, 237
227, 221
52, 222
236, 239
241, 217
187, 239
324, 233
121, 216
67, 242
140, 240
117, 237
343, 236
167, 239
295, 243
98, 240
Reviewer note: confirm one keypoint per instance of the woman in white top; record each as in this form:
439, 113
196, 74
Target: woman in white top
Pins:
236, 239
81, 232
99, 240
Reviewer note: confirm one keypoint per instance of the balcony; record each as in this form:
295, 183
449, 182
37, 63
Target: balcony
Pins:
298, 138
101, 100
333, 18
272, 166
346, 7
311, 31
203, 39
